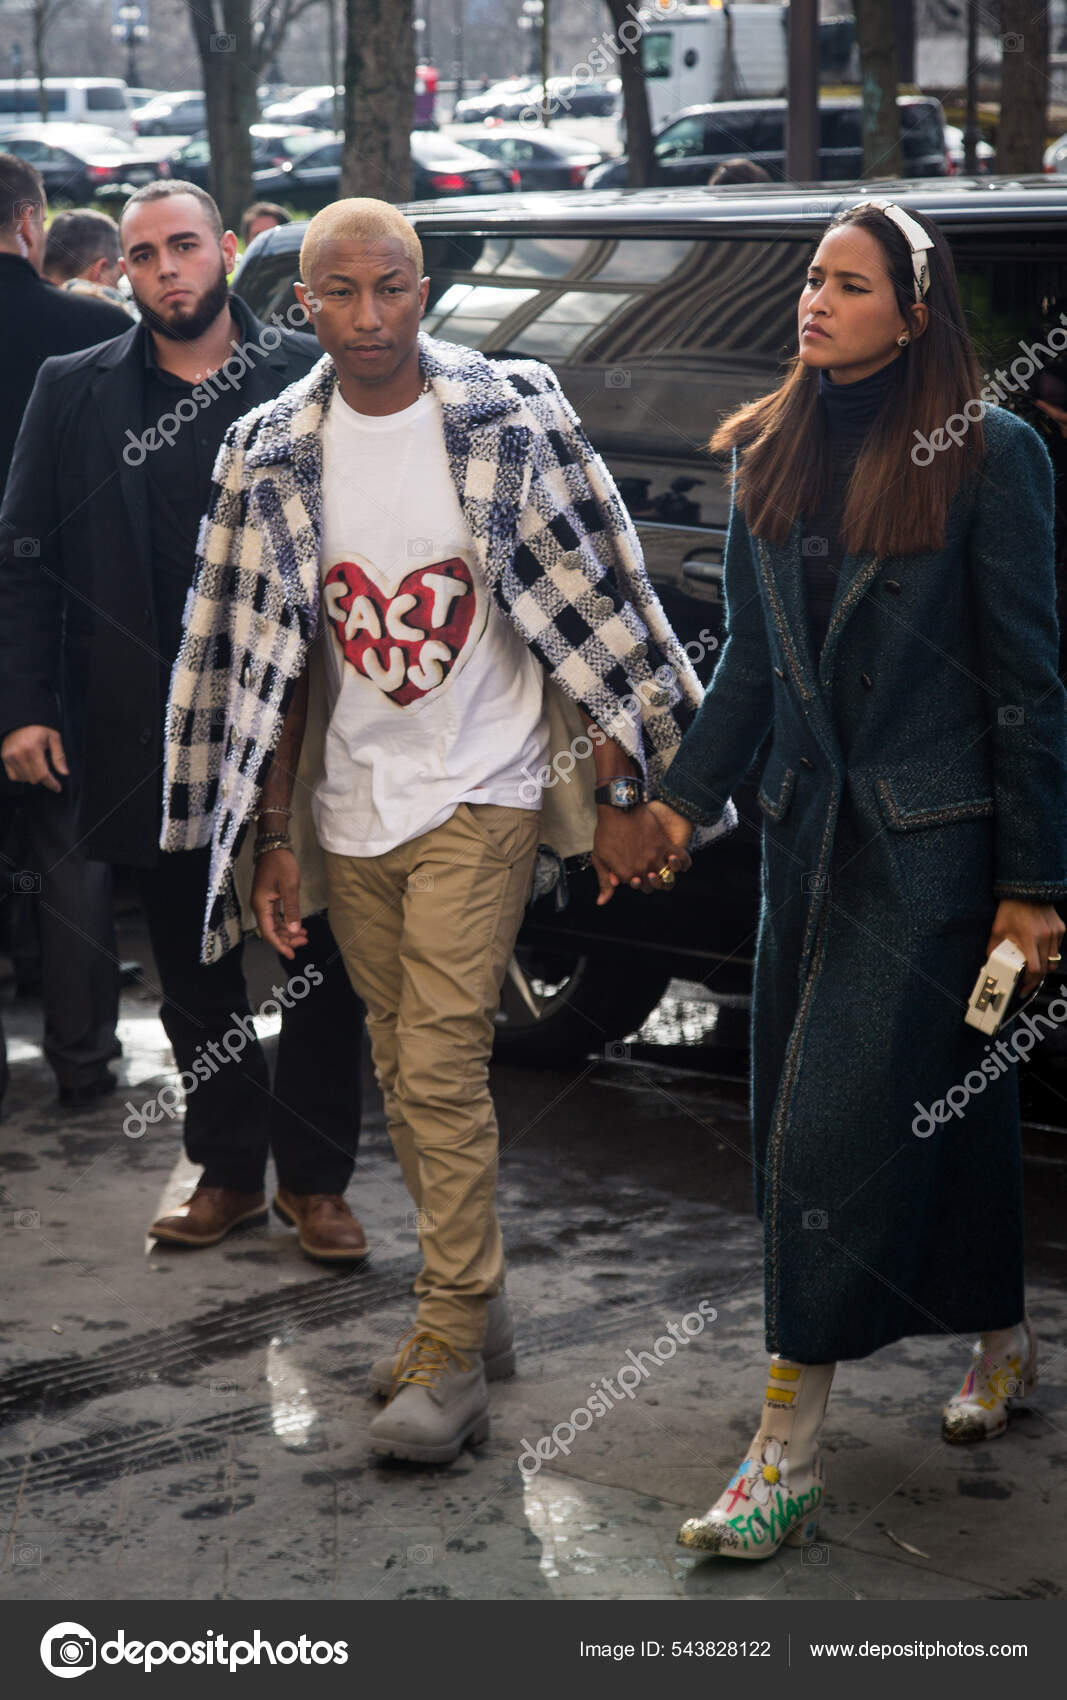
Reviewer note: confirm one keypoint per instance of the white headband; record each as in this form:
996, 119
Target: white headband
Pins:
917, 239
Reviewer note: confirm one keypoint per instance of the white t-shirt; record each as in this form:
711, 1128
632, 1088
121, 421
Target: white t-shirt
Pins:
434, 698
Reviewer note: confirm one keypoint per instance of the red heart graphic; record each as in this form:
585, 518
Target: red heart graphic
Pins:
408, 643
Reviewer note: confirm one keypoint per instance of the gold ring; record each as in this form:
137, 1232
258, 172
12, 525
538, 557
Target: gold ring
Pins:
666, 876
1055, 959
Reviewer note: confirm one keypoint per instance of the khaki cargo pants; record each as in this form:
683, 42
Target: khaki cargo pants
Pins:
426, 932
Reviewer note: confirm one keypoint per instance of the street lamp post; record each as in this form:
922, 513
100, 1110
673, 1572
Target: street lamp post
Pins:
534, 18
130, 28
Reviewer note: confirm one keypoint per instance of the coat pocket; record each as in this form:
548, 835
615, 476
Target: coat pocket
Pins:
908, 804
940, 841
776, 788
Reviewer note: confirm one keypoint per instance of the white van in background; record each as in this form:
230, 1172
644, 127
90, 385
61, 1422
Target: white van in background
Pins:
71, 100
696, 54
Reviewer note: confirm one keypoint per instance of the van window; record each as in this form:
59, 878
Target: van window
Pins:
683, 139
657, 53
733, 132
105, 100
24, 101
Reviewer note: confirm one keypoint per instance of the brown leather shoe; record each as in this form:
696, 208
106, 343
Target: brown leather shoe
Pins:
208, 1215
327, 1228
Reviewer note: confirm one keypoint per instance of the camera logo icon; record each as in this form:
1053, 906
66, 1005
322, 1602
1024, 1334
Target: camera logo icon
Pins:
815, 546
815, 1219
27, 548
26, 883
68, 1649
617, 379
1012, 43
223, 43
1010, 715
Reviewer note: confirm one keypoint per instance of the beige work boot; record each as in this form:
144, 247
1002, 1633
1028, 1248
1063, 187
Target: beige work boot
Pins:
438, 1403
1003, 1368
775, 1493
498, 1353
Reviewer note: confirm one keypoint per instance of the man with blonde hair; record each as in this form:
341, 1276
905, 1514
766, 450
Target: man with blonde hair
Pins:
418, 587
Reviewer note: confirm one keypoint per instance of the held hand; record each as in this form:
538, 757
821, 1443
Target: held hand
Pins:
631, 847
34, 755
276, 901
1037, 930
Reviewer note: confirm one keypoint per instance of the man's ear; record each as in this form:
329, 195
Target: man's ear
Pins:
424, 290
229, 250
97, 269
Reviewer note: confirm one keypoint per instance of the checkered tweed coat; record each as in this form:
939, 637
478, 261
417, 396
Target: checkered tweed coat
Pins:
554, 540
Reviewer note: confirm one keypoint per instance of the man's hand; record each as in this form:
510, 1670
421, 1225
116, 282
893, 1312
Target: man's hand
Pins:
1037, 930
631, 847
276, 901
34, 755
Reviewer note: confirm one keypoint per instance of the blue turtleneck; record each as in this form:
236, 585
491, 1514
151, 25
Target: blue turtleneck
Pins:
849, 411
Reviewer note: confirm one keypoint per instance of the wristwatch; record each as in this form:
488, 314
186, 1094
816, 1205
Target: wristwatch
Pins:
626, 793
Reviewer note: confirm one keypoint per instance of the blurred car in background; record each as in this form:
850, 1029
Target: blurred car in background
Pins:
141, 97
544, 159
688, 148
273, 145
500, 100
956, 152
439, 166
313, 106
181, 114
1055, 158
76, 161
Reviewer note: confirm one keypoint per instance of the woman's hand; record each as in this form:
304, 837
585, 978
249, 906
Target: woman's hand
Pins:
276, 901
632, 847
1037, 930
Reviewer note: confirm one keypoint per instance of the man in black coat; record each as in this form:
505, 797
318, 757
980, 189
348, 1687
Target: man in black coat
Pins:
72, 911
110, 476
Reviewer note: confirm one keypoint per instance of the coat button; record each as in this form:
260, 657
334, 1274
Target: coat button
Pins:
603, 606
867, 681
779, 672
639, 650
805, 761
893, 585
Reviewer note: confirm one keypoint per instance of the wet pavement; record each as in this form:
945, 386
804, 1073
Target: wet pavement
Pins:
193, 1425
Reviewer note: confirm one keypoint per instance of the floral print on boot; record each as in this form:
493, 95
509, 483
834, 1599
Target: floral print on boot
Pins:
1003, 1368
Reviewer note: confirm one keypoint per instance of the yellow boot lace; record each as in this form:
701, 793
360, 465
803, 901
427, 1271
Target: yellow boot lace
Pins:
423, 1360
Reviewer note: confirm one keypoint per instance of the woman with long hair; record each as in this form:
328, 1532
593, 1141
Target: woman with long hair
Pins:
891, 624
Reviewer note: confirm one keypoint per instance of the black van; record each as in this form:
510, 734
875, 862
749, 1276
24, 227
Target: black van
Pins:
661, 310
698, 138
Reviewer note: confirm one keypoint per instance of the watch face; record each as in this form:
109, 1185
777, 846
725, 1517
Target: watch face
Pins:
621, 793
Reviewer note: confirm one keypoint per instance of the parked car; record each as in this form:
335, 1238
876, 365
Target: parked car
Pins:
70, 100
505, 99
1056, 155
273, 145
695, 141
660, 311
76, 161
546, 160
141, 97
311, 106
439, 167
956, 150
182, 114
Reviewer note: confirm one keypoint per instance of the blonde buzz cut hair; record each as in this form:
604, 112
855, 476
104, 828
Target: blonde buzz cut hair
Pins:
359, 219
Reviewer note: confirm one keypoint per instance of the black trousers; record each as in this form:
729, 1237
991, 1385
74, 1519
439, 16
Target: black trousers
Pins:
310, 1120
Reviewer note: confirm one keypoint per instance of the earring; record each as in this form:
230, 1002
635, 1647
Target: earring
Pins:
903, 339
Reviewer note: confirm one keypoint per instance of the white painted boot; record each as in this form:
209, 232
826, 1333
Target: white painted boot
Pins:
1003, 1368
775, 1493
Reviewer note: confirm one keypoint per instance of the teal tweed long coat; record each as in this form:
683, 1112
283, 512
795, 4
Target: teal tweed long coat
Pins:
917, 774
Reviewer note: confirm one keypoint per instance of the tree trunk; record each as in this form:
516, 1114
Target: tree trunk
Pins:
222, 30
634, 93
1024, 69
379, 103
879, 76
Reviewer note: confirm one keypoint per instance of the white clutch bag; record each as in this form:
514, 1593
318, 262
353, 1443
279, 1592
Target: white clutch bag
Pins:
995, 987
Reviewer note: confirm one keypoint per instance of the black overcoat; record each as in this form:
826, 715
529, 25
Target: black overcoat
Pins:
917, 774
77, 614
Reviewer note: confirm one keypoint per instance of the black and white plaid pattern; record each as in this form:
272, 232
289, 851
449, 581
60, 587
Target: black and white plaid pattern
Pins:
555, 541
